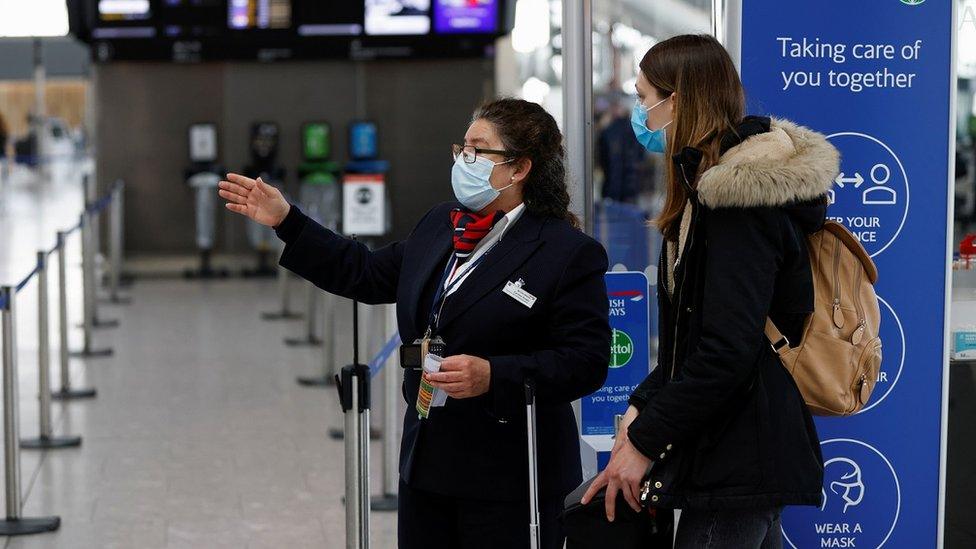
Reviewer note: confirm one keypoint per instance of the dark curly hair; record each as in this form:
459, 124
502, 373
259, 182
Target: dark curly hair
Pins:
528, 131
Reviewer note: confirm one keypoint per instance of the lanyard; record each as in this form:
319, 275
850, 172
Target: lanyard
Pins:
441, 293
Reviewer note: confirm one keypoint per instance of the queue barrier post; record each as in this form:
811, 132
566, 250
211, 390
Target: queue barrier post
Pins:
115, 225
66, 392
310, 339
88, 291
284, 294
90, 246
45, 439
354, 395
327, 330
387, 500
14, 524
530, 418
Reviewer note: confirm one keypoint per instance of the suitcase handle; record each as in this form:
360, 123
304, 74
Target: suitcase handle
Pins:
533, 464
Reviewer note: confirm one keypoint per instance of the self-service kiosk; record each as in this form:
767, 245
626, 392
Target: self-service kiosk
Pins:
202, 175
264, 141
365, 208
319, 197
319, 175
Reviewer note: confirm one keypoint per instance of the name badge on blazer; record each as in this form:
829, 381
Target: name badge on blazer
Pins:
515, 291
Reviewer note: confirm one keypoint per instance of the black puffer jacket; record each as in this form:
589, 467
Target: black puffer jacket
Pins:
720, 416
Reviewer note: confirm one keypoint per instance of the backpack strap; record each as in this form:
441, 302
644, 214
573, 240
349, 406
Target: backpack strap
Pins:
776, 338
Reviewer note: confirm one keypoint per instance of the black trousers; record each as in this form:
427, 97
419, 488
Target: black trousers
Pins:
432, 521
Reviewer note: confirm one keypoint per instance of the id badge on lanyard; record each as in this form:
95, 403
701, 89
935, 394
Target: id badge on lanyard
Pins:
431, 352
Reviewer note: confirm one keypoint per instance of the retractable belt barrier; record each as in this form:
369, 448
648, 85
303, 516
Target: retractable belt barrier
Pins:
14, 524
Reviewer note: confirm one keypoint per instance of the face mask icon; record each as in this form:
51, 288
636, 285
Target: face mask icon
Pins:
843, 484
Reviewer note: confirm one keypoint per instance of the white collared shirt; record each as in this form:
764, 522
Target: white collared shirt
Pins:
490, 239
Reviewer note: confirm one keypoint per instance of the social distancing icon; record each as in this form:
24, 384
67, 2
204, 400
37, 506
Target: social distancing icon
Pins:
870, 195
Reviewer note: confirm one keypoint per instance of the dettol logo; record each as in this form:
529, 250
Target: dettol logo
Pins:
621, 349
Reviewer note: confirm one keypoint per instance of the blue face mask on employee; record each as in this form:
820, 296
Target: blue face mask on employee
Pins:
653, 140
472, 182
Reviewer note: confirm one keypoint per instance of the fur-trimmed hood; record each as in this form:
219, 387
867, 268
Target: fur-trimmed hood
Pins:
785, 165
766, 162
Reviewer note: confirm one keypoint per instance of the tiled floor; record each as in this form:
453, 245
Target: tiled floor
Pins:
199, 436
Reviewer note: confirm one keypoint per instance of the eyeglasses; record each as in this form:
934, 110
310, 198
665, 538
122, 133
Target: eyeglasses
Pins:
470, 152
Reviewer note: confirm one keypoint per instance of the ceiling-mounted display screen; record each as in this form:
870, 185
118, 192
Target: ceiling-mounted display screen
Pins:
272, 30
329, 18
123, 10
190, 19
397, 17
465, 16
259, 14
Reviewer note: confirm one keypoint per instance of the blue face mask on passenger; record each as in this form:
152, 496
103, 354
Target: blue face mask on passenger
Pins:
655, 141
472, 182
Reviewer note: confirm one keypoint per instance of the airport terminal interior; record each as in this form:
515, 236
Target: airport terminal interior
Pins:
167, 384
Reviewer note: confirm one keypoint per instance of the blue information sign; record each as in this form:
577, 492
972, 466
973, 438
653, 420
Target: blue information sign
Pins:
876, 77
629, 352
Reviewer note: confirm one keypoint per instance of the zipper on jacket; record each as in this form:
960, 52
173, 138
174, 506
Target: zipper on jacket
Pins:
838, 315
679, 289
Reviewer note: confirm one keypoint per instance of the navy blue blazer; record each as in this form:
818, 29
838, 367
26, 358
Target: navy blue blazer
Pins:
476, 447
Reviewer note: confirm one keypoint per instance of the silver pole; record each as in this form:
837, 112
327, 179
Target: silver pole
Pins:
63, 313
95, 242
66, 392
578, 104
533, 469
364, 477
284, 294
578, 112
311, 306
87, 281
283, 290
88, 289
718, 21
46, 439
11, 423
391, 409
115, 246
328, 334
44, 348
353, 440
312, 298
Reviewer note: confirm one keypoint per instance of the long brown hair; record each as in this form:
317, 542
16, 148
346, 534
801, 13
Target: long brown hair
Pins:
709, 100
528, 131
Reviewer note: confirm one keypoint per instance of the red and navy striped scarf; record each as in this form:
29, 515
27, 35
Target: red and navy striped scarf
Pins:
469, 229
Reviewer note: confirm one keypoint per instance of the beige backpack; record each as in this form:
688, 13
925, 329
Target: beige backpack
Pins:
836, 363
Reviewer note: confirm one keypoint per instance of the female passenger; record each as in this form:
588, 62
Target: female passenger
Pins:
719, 421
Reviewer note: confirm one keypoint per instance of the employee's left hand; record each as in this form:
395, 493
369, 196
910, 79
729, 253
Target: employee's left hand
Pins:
462, 376
623, 474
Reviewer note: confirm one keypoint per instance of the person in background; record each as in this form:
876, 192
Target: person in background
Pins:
619, 156
719, 425
510, 287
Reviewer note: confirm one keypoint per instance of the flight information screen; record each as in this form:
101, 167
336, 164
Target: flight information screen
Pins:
328, 18
269, 30
466, 16
397, 17
259, 14
123, 10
